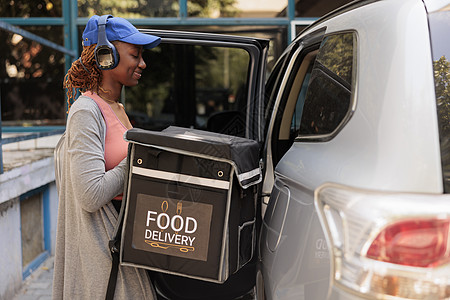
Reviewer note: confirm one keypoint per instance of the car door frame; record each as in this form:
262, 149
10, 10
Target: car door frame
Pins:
257, 49
294, 55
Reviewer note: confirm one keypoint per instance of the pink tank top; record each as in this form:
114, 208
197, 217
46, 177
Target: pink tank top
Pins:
116, 147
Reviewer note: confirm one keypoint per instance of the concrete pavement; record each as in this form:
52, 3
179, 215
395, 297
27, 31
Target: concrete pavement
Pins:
38, 286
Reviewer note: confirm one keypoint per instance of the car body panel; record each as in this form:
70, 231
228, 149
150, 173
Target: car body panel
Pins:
390, 143
392, 110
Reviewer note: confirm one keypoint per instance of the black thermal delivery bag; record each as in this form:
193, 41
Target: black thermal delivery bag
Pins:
189, 202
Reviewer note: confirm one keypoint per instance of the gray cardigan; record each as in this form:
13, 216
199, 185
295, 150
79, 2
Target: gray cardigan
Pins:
86, 216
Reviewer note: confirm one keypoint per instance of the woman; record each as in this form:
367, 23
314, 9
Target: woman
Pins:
94, 163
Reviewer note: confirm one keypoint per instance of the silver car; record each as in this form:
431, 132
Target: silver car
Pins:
358, 157
353, 123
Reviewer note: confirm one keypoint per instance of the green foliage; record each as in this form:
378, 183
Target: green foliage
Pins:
336, 54
212, 8
119, 8
27, 8
156, 8
222, 68
442, 87
128, 8
31, 76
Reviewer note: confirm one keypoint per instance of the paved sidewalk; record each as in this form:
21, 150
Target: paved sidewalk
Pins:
38, 286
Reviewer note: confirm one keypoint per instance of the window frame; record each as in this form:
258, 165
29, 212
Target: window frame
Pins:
257, 50
353, 92
291, 61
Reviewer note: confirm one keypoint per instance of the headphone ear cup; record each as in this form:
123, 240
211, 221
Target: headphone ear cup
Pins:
106, 56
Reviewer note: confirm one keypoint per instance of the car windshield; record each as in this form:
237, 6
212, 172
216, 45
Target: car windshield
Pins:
439, 21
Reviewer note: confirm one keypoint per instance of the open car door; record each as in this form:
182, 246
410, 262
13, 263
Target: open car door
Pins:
203, 81
209, 82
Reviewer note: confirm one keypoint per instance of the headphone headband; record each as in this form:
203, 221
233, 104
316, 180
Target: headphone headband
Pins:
103, 19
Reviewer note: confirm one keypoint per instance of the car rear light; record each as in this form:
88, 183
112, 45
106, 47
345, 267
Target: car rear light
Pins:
387, 245
419, 243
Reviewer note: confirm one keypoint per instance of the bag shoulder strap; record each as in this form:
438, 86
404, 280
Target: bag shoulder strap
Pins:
110, 290
114, 243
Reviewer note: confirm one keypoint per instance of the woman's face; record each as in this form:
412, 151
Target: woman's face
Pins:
129, 70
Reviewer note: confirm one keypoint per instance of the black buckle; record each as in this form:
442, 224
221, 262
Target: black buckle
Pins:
112, 246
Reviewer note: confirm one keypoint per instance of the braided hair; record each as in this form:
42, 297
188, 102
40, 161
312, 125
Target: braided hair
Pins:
83, 75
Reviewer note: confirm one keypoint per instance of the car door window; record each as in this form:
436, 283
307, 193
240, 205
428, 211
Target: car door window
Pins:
186, 85
439, 25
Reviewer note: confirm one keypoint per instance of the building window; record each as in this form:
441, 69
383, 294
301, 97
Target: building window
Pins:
30, 9
31, 219
129, 8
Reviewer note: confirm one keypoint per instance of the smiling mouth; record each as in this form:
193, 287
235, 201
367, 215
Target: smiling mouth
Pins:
138, 75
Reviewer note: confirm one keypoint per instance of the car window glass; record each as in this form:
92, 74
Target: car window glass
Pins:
336, 55
287, 119
439, 28
328, 97
185, 85
295, 125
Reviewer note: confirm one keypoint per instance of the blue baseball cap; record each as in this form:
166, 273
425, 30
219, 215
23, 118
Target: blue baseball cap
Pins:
118, 29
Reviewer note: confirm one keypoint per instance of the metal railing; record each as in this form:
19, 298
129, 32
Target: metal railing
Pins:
70, 49
70, 21
34, 132
31, 133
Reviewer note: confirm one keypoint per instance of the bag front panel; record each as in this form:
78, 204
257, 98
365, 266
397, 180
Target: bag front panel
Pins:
175, 222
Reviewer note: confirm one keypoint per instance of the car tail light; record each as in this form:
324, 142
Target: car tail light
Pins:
387, 245
420, 243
